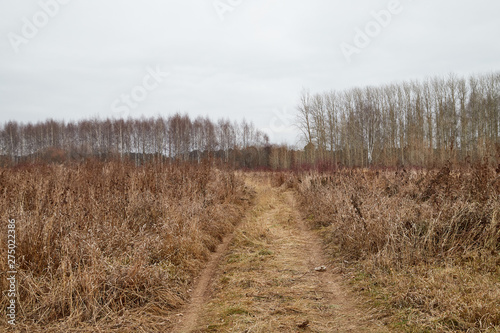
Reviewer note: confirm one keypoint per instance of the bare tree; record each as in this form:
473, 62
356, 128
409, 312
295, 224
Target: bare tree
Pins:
304, 119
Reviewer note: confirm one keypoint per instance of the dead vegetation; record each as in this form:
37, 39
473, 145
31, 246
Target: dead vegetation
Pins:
115, 247
424, 245
111, 246
267, 281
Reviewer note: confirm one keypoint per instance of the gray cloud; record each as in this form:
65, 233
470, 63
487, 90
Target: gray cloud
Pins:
252, 64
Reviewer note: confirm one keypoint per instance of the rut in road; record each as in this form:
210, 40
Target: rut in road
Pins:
263, 278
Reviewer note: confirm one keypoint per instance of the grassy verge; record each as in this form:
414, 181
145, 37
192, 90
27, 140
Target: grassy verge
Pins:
423, 245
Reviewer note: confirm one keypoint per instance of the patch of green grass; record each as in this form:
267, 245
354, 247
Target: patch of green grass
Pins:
236, 311
246, 284
233, 258
214, 327
265, 252
225, 280
453, 323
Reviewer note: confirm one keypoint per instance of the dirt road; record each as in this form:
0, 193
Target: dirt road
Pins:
263, 278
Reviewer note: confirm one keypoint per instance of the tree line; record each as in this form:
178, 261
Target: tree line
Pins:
418, 123
414, 123
176, 137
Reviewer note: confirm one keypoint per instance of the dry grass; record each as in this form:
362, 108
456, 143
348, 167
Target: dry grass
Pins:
423, 244
267, 282
111, 246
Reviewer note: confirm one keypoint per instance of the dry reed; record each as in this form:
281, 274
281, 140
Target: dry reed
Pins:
423, 244
109, 245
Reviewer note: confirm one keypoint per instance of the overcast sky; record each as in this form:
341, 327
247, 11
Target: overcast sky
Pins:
77, 59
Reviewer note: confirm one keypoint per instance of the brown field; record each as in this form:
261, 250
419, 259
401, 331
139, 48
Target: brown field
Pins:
111, 246
422, 245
